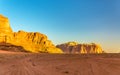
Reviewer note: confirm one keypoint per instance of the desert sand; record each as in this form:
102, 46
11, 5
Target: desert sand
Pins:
12, 63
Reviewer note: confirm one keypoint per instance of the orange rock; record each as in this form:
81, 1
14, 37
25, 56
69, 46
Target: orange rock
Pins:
30, 41
4, 26
72, 47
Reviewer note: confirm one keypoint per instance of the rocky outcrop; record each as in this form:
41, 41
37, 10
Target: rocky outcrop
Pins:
12, 48
73, 47
30, 41
5, 28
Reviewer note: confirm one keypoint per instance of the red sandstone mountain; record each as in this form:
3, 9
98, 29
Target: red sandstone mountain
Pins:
73, 47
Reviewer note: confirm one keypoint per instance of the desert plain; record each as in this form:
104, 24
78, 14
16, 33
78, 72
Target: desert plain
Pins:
19, 63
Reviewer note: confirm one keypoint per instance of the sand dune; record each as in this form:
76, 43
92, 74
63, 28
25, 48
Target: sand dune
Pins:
59, 64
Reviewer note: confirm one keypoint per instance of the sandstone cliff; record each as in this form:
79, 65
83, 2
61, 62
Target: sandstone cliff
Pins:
4, 26
73, 47
30, 41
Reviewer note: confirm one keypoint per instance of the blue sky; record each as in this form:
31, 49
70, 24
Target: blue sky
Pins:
84, 21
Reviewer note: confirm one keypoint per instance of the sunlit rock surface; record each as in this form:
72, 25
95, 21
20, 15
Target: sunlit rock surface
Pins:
73, 47
5, 28
30, 41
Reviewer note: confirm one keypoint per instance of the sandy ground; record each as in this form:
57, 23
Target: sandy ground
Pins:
59, 64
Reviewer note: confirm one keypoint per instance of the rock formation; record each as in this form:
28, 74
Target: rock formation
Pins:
4, 26
73, 47
30, 41
12, 48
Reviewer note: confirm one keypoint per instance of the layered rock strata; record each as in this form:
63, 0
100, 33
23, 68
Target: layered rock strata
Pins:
75, 48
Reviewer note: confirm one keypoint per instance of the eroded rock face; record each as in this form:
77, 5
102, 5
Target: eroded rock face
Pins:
5, 28
73, 47
30, 41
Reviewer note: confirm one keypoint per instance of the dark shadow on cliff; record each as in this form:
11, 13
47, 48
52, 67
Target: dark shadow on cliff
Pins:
11, 47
